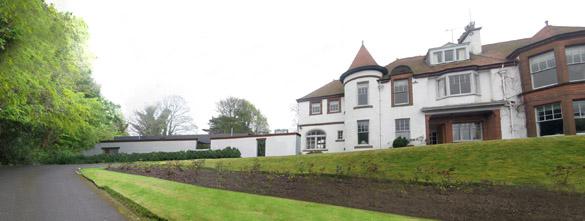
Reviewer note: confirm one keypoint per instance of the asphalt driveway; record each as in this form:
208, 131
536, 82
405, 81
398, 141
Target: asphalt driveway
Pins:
52, 192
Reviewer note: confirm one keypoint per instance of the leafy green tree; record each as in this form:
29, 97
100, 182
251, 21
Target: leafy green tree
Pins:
238, 116
49, 103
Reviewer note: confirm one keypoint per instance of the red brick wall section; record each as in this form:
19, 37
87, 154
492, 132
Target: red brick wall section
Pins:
490, 121
565, 92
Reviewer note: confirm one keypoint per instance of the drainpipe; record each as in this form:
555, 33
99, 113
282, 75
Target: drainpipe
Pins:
503, 76
380, 87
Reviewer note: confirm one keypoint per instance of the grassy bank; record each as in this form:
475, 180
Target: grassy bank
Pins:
551, 162
177, 201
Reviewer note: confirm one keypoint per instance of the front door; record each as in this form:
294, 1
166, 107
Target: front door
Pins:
261, 147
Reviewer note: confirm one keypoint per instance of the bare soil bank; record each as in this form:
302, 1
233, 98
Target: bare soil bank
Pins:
467, 202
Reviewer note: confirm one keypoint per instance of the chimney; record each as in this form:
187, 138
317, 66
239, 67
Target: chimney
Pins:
471, 36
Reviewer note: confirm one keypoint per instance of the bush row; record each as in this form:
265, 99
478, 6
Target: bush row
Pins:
68, 158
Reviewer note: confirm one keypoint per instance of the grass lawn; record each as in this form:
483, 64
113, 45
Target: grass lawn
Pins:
510, 162
177, 201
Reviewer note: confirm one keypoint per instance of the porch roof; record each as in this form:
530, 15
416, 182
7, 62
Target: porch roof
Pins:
462, 108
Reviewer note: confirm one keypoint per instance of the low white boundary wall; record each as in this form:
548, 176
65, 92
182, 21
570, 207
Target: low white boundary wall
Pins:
276, 144
144, 146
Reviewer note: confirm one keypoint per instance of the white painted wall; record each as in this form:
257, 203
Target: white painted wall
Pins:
332, 143
276, 145
372, 114
145, 146
382, 115
306, 118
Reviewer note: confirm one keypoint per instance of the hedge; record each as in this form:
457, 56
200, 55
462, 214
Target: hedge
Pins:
64, 158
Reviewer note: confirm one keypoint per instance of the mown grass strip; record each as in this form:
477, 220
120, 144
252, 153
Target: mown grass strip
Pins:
135, 208
177, 201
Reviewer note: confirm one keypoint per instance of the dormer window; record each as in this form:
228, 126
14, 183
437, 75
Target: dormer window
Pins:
451, 54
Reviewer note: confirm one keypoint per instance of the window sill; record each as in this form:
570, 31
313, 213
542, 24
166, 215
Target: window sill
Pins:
465, 141
315, 114
342, 140
458, 95
545, 86
362, 106
311, 150
401, 105
364, 146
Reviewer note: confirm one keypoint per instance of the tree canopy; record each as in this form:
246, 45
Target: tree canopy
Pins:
165, 118
238, 116
48, 102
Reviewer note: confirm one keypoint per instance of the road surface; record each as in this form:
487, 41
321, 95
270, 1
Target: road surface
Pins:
51, 192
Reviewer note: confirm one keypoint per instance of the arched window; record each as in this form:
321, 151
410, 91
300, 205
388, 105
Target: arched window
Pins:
316, 139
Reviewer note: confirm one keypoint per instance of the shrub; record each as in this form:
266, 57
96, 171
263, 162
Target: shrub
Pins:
70, 158
400, 142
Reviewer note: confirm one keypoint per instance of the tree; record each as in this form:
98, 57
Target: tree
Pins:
48, 101
238, 116
165, 118
176, 111
147, 122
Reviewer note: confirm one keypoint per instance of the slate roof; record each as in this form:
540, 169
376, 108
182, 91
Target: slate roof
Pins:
330, 89
492, 54
362, 58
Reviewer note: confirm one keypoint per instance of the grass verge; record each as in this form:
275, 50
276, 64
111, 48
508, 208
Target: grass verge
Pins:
176, 201
556, 163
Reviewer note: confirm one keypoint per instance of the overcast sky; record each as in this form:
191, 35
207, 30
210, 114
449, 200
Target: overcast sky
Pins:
273, 52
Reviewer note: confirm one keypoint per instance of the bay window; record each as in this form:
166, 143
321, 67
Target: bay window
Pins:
400, 92
363, 131
549, 119
543, 69
467, 131
458, 84
579, 110
576, 62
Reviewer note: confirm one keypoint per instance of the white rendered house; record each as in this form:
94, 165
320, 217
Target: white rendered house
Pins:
462, 91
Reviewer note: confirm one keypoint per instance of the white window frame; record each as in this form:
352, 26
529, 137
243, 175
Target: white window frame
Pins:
474, 82
316, 140
329, 102
538, 59
442, 53
402, 126
311, 108
477, 125
573, 52
538, 121
340, 135
363, 129
361, 88
407, 92
579, 113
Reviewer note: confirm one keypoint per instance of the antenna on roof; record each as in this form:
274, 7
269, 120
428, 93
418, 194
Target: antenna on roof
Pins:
451, 30
470, 19
546, 23
362, 42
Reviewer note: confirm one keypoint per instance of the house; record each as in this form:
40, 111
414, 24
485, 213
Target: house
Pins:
147, 144
457, 92
260, 145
